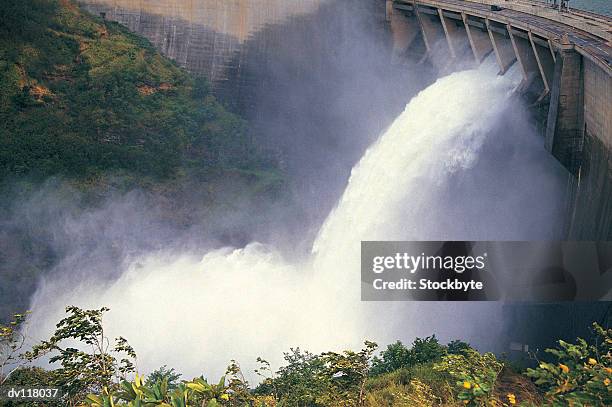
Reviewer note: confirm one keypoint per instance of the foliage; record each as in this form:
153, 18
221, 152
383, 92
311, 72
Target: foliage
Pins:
427, 350
84, 372
81, 97
163, 373
231, 389
238, 386
12, 340
31, 377
401, 388
330, 378
474, 374
301, 382
464, 377
457, 347
397, 356
137, 393
345, 375
209, 394
582, 374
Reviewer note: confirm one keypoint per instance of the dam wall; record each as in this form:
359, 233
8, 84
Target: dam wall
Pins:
205, 36
565, 58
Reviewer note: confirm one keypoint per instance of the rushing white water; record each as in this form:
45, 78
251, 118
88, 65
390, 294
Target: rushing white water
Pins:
441, 171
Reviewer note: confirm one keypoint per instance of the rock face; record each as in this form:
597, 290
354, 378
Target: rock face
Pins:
203, 36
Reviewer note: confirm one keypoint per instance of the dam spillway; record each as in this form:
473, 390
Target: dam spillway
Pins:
566, 61
564, 56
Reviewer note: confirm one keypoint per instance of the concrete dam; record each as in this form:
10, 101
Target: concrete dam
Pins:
564, 56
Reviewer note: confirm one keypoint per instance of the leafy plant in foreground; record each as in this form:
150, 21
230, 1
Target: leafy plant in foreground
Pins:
582, 375
475, 375
83, 372
346, 374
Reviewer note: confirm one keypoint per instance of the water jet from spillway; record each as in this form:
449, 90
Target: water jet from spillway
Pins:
445, 169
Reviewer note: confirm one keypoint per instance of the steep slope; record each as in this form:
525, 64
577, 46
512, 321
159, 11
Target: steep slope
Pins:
81, 97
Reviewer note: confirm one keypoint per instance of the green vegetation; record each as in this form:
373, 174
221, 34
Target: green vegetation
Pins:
83, 98
442, 376
81, 371
582, 375
398, 356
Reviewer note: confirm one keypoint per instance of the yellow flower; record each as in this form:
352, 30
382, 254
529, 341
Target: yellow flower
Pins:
225, 396
592, 361
609, 370
564, 368
607, 381
467, 385
511, 398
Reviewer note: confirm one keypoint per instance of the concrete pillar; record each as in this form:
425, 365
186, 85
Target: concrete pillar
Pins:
404, 30
450, 32
551, 47
388, 9
546, 77
525, 57
502, 46
480, 42
433, 36
565, 125
456, 36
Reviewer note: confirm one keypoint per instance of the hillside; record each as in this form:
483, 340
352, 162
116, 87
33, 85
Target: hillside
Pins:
89, 112
81, 97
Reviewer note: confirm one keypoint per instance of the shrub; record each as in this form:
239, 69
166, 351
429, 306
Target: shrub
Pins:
163, 373
82, 372
397, 356
345, 375
299, 383
582, 374
474, 374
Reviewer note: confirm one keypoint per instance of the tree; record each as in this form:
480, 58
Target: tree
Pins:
457, 347
163, 373
398, 356
426, 350
347, 373
393, 358
82, 372
238, 386
300, 383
